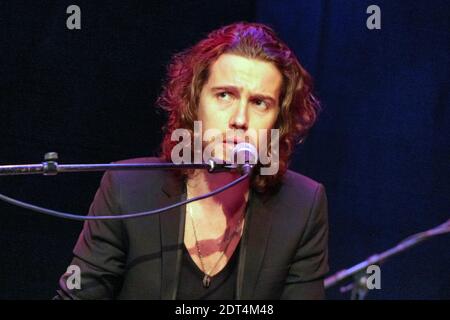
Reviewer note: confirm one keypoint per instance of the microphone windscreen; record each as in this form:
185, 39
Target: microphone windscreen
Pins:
245, 152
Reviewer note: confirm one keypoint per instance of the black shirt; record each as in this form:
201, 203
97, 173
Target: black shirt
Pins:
222, 286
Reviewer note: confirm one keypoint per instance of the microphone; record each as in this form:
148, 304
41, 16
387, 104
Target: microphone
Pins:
245, 156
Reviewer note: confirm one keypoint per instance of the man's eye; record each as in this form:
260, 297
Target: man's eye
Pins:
224, 95
261, 104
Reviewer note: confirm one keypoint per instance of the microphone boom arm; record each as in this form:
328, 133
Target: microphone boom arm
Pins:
50, 167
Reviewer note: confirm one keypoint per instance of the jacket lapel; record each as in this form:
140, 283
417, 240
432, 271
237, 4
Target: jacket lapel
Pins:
172, 237
253, 246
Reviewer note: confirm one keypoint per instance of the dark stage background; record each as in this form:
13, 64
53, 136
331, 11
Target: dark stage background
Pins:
381, 146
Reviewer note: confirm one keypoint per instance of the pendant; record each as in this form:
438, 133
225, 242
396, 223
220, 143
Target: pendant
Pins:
206, 281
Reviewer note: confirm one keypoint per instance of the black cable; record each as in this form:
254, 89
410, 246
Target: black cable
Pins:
71, 216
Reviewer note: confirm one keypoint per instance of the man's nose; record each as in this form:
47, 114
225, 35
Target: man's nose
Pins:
239, 118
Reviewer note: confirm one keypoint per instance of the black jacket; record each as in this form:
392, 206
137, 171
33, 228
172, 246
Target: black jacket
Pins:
283, 255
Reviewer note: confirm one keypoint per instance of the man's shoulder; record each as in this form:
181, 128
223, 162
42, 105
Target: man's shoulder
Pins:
299, 187
296, 179
139, 175
141, 160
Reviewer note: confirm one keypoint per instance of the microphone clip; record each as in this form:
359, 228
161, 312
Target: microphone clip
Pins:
216, 166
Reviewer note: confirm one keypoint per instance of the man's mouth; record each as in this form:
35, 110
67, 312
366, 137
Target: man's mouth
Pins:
233, 140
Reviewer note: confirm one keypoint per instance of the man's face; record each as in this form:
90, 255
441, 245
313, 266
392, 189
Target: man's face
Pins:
240, 93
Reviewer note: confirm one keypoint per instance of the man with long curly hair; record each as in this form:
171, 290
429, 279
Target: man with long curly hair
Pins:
264, 238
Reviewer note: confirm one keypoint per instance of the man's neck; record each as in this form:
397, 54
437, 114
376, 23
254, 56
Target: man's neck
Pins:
230, 201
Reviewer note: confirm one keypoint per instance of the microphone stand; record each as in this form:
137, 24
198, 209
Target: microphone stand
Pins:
51, 167
358, 272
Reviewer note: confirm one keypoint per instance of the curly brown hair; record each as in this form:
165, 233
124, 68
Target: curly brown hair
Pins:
188, 72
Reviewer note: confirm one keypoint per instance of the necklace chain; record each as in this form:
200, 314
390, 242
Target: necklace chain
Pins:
207, 275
